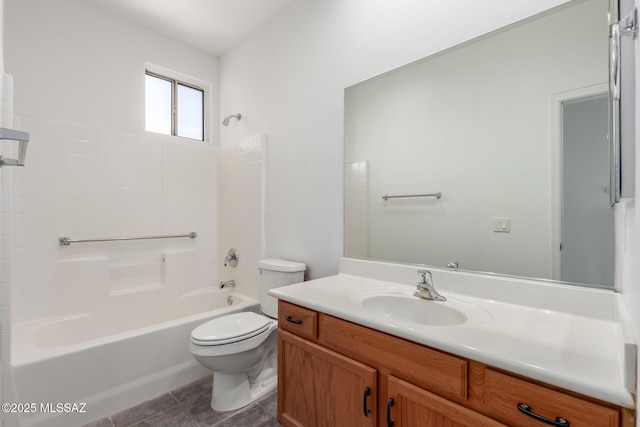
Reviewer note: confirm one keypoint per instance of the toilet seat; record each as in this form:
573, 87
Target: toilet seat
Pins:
230, 329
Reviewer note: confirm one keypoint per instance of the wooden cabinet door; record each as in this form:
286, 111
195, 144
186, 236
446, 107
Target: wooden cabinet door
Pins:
411, 406
319, 388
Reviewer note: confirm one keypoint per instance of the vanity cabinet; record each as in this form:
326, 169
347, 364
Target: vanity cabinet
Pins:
411, 406
337, 373
318, 387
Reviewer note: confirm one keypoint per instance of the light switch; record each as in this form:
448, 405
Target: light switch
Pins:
501, 225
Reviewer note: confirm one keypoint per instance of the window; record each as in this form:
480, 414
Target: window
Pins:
173, 107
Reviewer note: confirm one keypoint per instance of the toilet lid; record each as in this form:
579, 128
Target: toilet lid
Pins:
230, 328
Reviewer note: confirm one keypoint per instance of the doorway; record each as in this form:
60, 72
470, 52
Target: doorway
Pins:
587, 219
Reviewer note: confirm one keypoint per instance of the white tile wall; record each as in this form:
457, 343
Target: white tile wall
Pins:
356, 204
80, 183
6, 185
241, 177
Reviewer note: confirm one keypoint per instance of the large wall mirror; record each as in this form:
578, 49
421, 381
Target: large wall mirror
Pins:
492, 155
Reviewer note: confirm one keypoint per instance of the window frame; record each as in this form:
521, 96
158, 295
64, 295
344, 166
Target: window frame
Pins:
177, 79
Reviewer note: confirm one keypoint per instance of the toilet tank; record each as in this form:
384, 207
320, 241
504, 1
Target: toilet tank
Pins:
273, 274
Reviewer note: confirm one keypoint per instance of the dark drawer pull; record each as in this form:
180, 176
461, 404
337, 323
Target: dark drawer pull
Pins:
390, 422
367, 411
291, 320
526, 409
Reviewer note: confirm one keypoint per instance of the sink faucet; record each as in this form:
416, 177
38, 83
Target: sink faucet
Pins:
425, 287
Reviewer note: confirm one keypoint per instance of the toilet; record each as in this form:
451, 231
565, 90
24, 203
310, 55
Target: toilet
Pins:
241, 348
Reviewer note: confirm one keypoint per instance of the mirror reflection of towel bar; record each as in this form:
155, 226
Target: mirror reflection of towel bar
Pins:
438, 195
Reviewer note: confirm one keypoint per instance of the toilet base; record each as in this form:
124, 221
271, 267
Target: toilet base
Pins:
233, 391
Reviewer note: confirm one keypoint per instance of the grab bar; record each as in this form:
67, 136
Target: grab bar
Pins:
438, 195
66, 241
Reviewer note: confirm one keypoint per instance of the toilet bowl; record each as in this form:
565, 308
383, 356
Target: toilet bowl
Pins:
241, 348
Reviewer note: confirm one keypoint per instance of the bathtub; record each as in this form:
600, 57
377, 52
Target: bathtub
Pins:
104, 361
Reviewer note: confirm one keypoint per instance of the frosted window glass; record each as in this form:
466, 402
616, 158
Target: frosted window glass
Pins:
190, 112
158, 105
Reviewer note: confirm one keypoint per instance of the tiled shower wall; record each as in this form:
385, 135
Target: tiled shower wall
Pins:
241, 192
356, 207
82, 183
7, 149
5, 309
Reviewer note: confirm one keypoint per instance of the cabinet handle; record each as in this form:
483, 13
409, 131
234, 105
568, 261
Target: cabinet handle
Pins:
526, 409
367, 411
292, 320
390, 422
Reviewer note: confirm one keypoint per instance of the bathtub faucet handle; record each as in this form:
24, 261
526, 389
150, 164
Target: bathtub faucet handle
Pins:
231, 258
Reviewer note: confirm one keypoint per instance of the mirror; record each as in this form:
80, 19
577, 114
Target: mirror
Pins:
511, 130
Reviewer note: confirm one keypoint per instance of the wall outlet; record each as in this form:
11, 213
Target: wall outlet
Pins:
501, 225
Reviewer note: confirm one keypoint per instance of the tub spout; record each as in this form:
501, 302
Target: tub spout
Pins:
228, 284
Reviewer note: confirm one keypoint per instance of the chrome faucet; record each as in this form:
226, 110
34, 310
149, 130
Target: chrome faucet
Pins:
228, 284
425, 287
232, 258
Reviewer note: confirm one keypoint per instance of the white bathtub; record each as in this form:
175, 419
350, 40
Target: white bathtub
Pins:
107, 360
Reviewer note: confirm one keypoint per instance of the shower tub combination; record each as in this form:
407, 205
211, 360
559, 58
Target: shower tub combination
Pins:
110, 361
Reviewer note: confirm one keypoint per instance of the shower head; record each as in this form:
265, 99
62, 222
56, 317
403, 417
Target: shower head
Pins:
226, 121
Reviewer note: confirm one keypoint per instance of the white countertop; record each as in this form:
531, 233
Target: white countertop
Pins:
576, 352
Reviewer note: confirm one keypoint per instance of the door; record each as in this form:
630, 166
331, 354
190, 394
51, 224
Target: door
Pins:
318, 387
410, 406
587, 217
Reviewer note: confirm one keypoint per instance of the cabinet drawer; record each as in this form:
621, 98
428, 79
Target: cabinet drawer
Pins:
434, 370
503, 393
298, 320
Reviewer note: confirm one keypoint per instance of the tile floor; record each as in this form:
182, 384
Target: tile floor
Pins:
189, 406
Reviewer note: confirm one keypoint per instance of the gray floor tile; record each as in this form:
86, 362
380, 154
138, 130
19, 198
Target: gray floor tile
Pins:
252, 416
152, 407
200, 410
270, 404
190, 392
190, 406
173, 417
104, 422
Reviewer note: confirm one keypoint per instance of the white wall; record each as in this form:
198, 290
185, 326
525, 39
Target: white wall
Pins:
288, 82
75, 63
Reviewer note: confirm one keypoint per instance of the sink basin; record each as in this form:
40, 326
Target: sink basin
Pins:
414, 310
